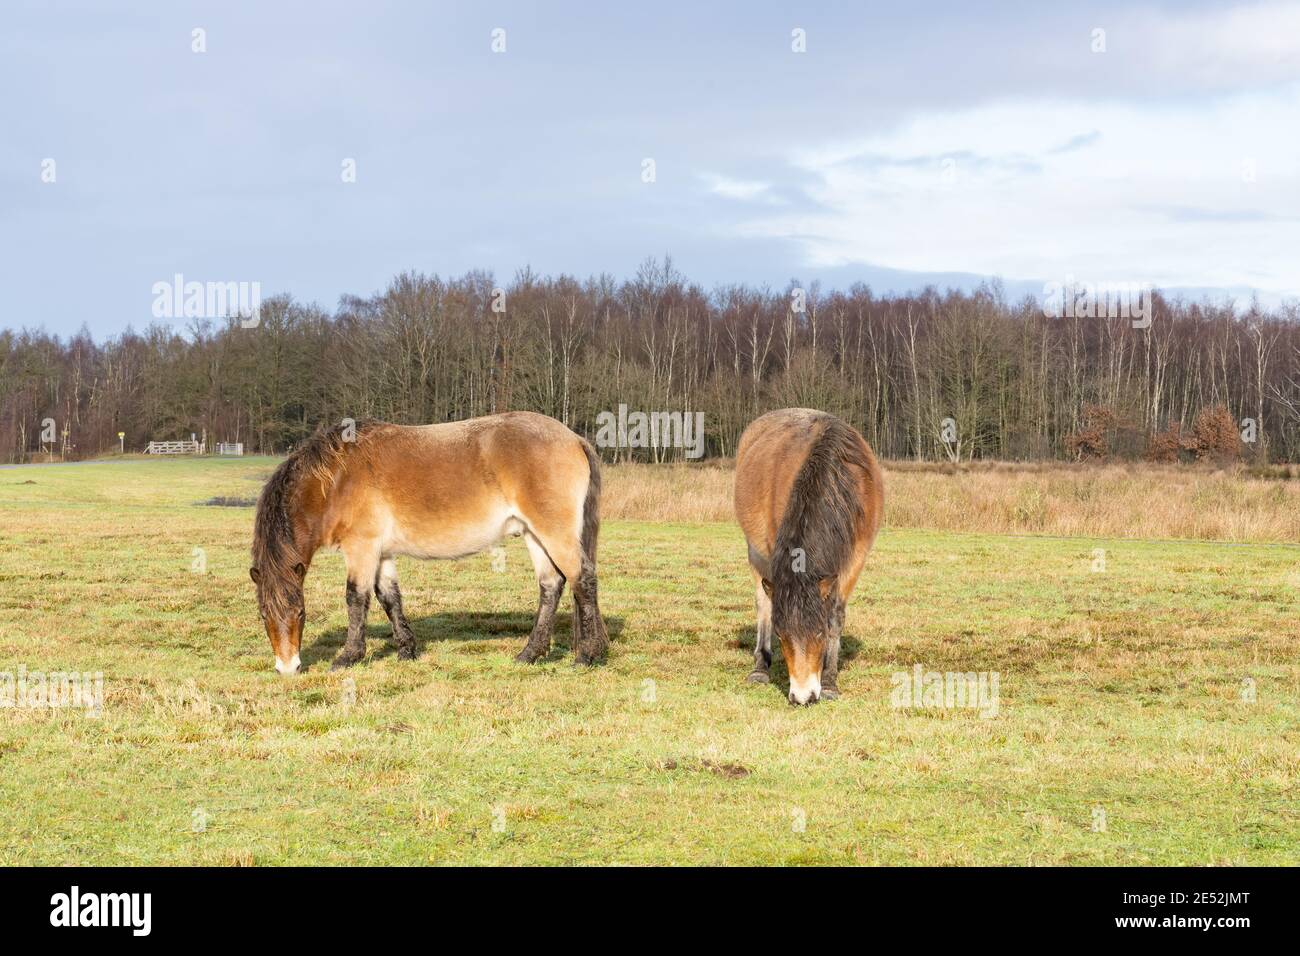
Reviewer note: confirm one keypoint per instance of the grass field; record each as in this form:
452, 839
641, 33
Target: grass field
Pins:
1149, 695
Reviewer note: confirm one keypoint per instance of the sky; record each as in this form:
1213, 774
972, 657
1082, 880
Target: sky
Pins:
904, 145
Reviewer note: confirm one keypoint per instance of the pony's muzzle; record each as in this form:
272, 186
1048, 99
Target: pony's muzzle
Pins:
292, 667
808, 691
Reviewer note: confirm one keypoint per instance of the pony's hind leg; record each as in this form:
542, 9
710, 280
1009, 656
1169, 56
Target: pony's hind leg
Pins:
590, 639
550, 584
390, 596
362, 568
763, 634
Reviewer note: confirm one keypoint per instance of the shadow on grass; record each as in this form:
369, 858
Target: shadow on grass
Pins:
454, 626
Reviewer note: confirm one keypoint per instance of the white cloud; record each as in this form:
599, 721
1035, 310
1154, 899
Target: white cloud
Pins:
1158, 192
1259, 43
744, 190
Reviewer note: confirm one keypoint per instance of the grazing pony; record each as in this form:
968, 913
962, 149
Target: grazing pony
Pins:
809, 498
375, 491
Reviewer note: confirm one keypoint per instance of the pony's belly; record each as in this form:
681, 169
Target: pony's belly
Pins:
452, 541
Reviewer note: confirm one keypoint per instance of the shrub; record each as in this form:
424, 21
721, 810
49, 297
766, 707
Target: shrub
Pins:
1170, 445
1092, 439
1212, 437
1215, 435
1105, 434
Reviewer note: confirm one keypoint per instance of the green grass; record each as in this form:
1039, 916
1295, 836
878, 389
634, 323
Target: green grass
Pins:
1119, 690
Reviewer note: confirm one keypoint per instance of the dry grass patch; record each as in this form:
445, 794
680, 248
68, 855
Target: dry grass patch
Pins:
1115, 501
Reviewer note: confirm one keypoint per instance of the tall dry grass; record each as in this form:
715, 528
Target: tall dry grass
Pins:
1112, 501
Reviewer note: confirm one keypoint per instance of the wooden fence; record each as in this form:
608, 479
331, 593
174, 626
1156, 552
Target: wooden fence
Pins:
174, 448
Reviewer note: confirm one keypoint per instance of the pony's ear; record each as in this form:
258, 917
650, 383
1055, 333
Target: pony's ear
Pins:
767, 587
256, 575
824, 586
300, 569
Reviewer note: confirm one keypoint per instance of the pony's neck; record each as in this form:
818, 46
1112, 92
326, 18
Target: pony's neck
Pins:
300, 530
315, 484
307, 529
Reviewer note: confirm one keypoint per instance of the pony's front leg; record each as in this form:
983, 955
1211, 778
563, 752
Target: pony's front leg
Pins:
762, 634
831, 660
361, 576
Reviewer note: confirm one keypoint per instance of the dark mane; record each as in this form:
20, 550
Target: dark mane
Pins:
275, 548
823, 517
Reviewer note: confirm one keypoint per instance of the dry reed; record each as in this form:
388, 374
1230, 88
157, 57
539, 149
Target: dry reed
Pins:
1111, 501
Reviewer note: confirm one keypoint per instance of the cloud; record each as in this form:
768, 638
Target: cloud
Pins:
1034, 189
1197, 214
1082, 141
745, 191
1256, 43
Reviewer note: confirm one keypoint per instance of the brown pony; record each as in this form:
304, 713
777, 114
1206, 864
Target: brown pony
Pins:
809, 498
375, 491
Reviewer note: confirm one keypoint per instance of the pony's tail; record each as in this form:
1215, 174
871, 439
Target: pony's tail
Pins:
591, 506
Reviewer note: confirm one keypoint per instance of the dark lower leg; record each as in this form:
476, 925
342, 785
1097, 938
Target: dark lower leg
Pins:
576, 638
358, 606
762, 636
831, 660
539, 641
390, 597
590, 639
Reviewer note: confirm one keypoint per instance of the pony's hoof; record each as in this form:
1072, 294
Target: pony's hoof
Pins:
830, 693
527, 657
758, 677
588, 658
406, 653
342, 663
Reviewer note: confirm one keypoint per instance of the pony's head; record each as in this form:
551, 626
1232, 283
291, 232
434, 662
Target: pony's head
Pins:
284, 532
802, 615
280, 602
279, 567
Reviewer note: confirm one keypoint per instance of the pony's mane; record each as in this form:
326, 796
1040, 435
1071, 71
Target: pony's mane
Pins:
823, 517
320, 457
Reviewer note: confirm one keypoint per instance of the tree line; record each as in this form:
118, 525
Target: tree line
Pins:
928, 375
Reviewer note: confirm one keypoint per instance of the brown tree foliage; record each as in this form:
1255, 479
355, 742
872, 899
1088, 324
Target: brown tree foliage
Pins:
1170, 445
1093, 440
1216, 436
